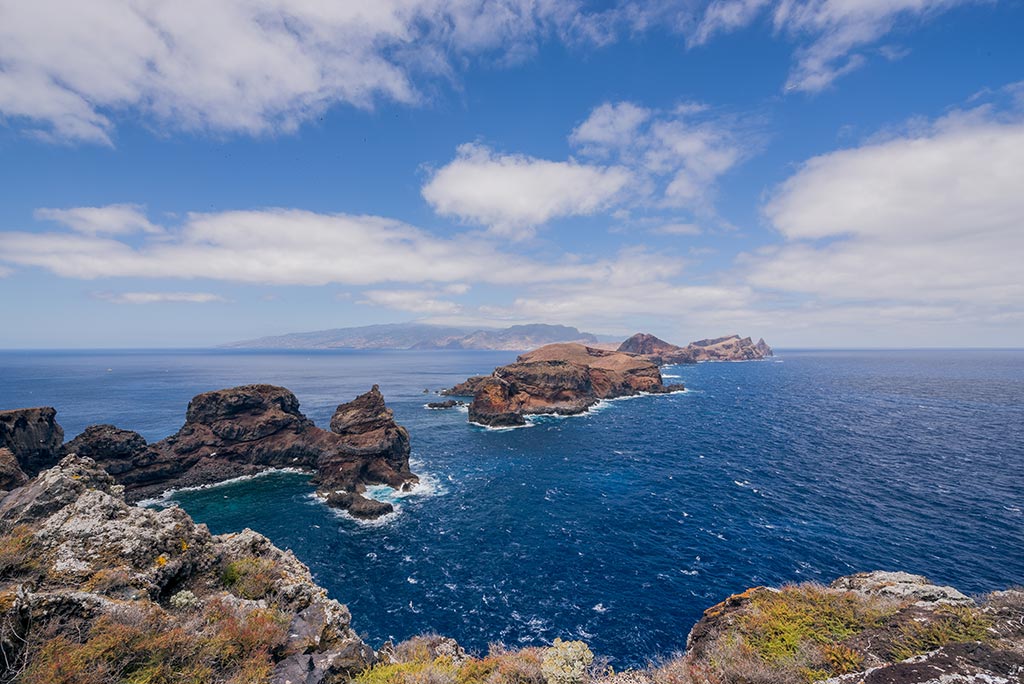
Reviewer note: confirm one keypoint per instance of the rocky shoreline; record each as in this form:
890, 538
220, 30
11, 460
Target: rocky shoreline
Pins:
94, 590
570, 378
228, 433
560, 379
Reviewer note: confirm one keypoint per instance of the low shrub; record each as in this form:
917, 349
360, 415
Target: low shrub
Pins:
566, 662
250, 577
950, 625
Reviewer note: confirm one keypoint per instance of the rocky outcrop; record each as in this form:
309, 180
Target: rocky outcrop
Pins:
870, 628
729, 348
562, 379
90, 583
245, 430
467, 387
447, 404
33, 436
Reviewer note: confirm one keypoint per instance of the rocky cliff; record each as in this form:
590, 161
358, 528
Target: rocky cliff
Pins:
94, 590
728, 348
240, 431
562, 379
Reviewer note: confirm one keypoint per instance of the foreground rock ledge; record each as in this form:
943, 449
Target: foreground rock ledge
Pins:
87, 580
229, 433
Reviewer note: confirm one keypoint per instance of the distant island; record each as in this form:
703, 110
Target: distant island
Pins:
410, 336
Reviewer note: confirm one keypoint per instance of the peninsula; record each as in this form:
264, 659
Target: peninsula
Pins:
567, 379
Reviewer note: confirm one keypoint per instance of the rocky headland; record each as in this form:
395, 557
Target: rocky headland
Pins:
228, 433
728, 348
561, 379
94, 590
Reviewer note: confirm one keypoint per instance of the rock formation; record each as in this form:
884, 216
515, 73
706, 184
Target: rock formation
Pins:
33, 436
243, 431
90, 584
868, 628
729, 348
562, 379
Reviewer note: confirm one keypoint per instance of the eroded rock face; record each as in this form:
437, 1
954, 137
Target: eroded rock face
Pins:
564, 379
33, 436
902, 586
11, 474
245, 430
88, 555
729, 348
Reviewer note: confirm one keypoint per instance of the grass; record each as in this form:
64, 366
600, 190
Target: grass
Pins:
953, 624
222, 646
417, 666
16, 552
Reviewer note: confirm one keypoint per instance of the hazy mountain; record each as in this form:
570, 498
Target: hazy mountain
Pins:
424, 336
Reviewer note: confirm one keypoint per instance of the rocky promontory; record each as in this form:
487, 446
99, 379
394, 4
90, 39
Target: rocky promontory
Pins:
95, 590
562, 379
229, 433
728, 348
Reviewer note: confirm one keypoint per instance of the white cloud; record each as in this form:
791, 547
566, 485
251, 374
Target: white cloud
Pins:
512, 194
424, 303
159, 297
113, 219
69, 68
680, 153
279, 246
931, 218
829, 33
609, 126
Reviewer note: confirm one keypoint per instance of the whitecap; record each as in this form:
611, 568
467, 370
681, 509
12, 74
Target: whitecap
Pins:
599, 608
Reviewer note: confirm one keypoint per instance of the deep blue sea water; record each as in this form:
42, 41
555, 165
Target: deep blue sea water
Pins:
619, 527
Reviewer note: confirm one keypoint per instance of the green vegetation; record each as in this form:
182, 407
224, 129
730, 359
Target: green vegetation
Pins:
953, 624
251, 577
417, 664
16, 552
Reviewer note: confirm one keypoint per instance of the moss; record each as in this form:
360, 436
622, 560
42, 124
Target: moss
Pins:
250, 577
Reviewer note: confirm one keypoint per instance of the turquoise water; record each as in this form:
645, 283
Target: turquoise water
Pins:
621, 526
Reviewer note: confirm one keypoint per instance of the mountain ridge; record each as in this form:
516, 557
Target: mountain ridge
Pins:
424, 336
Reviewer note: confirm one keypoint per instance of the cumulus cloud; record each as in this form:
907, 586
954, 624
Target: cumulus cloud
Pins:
159, 297
931, 218
276, 246
512, 193
68, 68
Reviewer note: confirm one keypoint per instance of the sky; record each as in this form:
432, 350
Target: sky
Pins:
820, 173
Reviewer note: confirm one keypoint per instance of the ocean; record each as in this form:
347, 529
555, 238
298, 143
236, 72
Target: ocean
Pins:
621, 526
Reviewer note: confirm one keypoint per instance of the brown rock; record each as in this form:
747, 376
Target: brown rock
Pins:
563, 379
11, 474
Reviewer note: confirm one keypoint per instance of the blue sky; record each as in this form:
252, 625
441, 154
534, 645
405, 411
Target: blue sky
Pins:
817, 172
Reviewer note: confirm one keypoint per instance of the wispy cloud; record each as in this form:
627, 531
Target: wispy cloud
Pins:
159, 297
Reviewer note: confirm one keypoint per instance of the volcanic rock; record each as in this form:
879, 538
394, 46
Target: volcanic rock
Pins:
91, 565
450, 403
33, 436
246, 430
563, 379
729, 348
